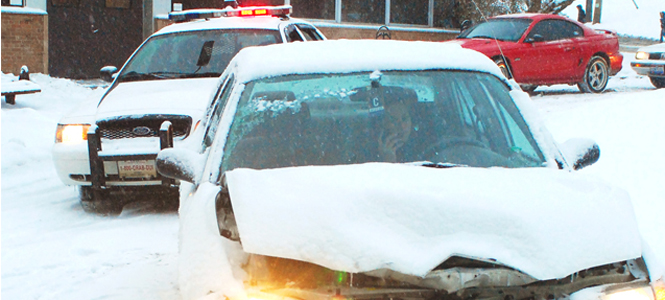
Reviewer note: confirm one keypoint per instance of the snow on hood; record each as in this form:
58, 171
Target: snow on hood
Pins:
177, 96
357, 218
653, 48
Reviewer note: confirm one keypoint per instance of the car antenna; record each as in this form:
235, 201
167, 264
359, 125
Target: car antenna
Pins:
503, 57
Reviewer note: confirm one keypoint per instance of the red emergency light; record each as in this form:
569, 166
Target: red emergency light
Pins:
193, 14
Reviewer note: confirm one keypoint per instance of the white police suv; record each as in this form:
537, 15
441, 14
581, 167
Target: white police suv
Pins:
108, 147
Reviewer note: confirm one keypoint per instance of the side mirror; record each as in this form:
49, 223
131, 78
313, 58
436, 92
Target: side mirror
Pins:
181, 164
106, 73
534, 38
582, 152
466, 24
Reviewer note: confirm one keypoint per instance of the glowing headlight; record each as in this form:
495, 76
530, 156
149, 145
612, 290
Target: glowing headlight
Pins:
641, 55
659, 289
642, 293
71, 133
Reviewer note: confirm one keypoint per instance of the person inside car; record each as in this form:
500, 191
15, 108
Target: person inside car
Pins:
395, 141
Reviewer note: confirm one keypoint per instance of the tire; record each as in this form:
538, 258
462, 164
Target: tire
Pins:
659, 83
596, 76
107, 206
504, 67
529, 88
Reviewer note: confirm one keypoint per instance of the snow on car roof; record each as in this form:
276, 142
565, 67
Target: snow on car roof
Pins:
343, 56
262, 22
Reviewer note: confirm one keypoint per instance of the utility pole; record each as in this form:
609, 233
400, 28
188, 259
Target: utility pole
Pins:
596, 11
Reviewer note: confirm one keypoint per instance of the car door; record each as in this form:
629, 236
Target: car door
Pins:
546, 56
573, 42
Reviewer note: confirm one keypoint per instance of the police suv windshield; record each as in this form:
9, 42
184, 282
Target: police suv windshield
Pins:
204, 53
435, 116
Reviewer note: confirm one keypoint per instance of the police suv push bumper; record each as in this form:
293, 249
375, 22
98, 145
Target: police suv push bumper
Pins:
97, 159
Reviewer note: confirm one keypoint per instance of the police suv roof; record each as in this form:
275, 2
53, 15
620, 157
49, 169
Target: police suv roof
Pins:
343, 56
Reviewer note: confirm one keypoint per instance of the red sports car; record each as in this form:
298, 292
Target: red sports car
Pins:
546, 49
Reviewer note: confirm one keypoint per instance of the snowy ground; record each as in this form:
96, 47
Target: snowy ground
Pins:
51, 249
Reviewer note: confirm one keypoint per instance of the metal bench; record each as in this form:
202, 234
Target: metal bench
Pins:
20, 87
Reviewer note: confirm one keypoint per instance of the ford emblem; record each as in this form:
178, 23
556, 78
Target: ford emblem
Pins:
141, 130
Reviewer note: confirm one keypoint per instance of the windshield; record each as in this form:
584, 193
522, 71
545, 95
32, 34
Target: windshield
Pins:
192, 54
437, 116
500, 29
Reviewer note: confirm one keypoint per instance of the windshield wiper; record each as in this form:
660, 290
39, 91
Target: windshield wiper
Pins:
438, 165
136, 76
485, 37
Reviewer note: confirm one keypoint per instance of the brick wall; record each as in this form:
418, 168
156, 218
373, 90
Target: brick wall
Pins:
24, 42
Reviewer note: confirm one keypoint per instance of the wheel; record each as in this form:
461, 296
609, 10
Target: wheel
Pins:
596, 76
504, 67
99, 205
529, 88
659, 83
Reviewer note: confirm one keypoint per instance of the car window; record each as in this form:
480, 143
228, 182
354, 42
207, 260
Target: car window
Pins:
292, 34
552, 30
503, 29
216, 113
309, 32
451, 117
192, 54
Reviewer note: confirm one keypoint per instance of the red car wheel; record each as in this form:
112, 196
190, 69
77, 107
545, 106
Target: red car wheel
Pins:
596, 76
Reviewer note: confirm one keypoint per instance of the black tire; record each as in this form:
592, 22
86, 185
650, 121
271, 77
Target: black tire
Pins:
107, 206
529, 88
596, 76
659, 83
504, 67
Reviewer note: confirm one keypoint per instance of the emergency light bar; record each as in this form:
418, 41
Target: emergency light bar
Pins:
207, 13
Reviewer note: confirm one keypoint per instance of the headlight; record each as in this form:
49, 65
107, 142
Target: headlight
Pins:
641, 55
71, 133
643, 293
659, 289
656, 291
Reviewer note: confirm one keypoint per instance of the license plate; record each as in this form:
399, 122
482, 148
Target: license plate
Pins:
137, 169
657, 70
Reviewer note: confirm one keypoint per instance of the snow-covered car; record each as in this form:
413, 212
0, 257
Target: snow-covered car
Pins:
381, 169
650, 61
547, 49
108, 147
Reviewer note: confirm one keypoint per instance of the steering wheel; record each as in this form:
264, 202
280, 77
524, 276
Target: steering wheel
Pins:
448, 143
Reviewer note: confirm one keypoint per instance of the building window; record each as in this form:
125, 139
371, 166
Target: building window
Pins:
308, 9
65, 2
12, 3
444, 14
364, 11
118, 3
413, 12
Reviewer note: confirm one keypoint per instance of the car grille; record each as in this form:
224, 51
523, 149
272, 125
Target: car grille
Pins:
657, 56
128, 127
